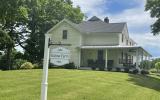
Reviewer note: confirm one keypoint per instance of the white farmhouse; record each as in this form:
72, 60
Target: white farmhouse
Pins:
98, 42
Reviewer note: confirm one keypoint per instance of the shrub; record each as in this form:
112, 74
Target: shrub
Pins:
36, 66
126, 70
92, 64
109, 68
135, 71
70, 66
154, 62
101, 68
27, 65
153, 70
18, 62
145, 64
157, 66
144, 72
118, 69
93, 67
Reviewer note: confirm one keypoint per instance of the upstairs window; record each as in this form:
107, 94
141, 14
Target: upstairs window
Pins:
130, 43
64, 36
122, 37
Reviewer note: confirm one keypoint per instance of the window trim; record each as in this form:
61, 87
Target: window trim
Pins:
122, 38
65, 34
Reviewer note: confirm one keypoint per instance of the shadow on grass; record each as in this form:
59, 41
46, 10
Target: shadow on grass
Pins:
145, 81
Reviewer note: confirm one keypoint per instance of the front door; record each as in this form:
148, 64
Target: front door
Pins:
100, 55
100, 60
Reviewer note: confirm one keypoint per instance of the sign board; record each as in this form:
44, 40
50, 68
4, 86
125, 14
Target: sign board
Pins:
59, 56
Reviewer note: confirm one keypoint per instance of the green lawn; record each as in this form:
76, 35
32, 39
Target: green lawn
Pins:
78, 85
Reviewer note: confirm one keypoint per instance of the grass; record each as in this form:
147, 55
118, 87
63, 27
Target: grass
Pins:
78, 85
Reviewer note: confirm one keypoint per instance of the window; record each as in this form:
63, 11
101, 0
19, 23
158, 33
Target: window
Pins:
122, 37
64, 34
130, 43
127, 42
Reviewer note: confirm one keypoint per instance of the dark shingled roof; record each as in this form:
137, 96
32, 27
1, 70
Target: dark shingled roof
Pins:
101, 27
95, 25
94, 18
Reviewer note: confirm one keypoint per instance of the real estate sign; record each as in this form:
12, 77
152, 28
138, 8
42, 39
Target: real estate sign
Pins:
59, 56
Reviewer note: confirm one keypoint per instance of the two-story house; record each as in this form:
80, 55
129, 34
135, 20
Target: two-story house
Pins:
100, 42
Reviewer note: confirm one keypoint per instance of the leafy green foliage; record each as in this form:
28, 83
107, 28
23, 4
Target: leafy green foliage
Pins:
12, 15
27, 65
154, 62
153, 70
154, 7
144, 72
43, 15
157, 66
145, 64
24, 23
36, 66
15, 57
70, 66
18, 62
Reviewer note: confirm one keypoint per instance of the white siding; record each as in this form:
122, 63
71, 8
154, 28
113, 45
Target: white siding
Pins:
73, 38
101, 39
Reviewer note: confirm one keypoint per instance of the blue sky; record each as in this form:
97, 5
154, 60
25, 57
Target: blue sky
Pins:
130, 11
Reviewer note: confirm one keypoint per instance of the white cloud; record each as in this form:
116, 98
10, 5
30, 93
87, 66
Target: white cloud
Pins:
90, 7
147, 40
135, 17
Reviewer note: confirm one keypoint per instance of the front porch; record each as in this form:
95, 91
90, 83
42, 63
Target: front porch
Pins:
112, 57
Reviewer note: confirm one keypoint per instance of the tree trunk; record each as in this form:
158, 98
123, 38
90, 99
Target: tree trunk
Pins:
8, 60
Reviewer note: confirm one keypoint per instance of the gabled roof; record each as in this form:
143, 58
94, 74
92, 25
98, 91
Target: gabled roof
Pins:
94, 25
101, 27
94, 18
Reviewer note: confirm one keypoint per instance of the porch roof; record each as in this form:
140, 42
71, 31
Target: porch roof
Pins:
116, 47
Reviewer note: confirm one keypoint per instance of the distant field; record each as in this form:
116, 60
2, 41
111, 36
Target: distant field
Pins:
78, 85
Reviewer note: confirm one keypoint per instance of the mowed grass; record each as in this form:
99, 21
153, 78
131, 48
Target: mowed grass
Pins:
78, 85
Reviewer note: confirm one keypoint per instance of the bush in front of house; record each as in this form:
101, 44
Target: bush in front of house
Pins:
92, 64
27, 65
70, 66
109, 68
36, 66
135, 71
17, 63
126, 70
146, 64
93, 67
118, 69
101, 68
157, 66
153, 70
144, 72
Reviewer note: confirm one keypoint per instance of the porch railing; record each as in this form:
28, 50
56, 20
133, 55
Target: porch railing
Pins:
126, 61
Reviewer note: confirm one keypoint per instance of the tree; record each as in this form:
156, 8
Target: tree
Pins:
154, 7
11, 16
43, 15
157, 66
145, 64
154, 61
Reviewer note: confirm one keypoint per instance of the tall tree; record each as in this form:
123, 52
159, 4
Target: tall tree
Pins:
154, 7
43, 15
12, 13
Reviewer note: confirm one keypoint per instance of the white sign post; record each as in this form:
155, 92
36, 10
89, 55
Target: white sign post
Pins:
45, 69
59, 56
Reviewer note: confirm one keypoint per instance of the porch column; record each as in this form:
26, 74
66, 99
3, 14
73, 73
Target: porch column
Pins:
79, 63
142, 56
106, 59
137, 57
